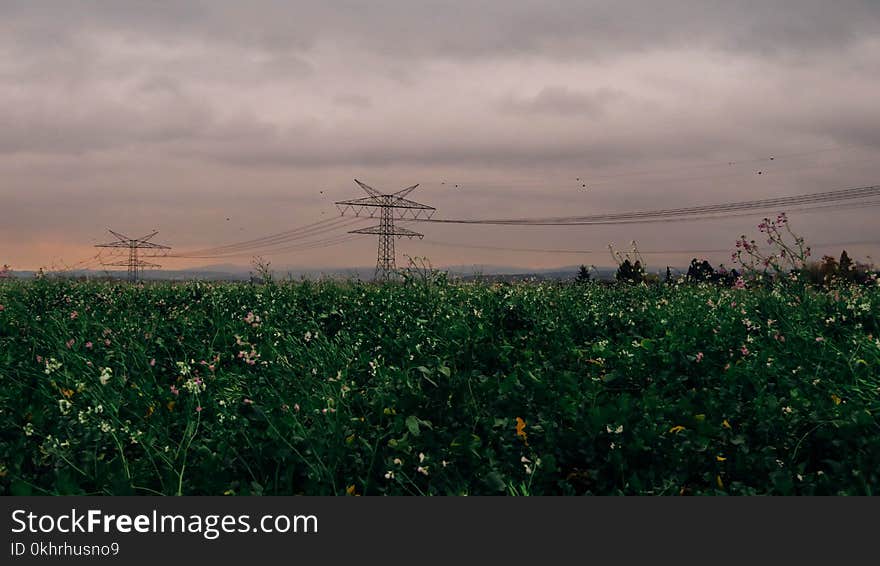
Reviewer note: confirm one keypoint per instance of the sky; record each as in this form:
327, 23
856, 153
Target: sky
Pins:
178, 115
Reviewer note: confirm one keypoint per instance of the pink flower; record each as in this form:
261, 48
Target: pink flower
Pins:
70, 343
89, 345
107, 342
174, 390
89, 363
73, 315
740, 283
2, 308
744, 350
199, 409
726, 367
819, 339
153, 362
248, 401
39, 359
285, 407
699, 357
296, 407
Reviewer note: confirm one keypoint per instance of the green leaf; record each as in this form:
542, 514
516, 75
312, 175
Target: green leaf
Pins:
494, 481
412, 424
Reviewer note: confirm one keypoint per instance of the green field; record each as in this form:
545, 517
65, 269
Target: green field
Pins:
438, 388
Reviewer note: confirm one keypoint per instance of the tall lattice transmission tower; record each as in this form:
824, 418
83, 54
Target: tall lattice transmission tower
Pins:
389, 208
134, 264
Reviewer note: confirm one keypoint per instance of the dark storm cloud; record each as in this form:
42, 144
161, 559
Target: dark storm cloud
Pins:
452, 28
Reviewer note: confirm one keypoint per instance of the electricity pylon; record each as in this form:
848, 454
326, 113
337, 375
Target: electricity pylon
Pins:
134, 264
389, 208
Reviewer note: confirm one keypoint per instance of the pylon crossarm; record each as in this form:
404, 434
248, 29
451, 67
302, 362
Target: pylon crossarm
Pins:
368, 189
406, 203
403, 192
118, 235
366, 201
151, 245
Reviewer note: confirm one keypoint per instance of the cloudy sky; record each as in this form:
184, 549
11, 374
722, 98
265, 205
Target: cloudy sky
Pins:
176, 115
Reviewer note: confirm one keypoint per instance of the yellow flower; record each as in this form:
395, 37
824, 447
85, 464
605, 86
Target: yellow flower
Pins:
836, 399
350, 490
68, 393
726, 424
719, 482
676, 428
349, 439
521, 430
701, 417
720, 458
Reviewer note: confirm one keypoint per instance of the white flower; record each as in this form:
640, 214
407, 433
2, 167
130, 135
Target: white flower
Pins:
398, 461
389, 475
52, 365
422, 470
64, 406
29, 429
421, 457
106, 374
308, 336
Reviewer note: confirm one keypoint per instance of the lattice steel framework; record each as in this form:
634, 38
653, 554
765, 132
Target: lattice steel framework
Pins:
389, 208
134, 264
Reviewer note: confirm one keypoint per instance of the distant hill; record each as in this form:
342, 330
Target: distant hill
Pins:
229, 272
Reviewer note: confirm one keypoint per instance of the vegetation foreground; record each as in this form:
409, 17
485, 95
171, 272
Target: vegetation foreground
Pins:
438, 388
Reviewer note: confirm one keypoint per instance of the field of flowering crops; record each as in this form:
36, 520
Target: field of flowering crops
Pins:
347, 388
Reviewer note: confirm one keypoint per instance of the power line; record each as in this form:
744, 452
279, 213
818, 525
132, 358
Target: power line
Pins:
336, 240
588, 252
269, 241
672, 214
279, 237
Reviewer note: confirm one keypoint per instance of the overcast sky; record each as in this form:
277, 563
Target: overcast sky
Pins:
176, 115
